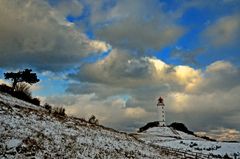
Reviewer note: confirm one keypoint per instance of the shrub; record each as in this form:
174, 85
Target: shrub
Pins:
23, 87
22, 96
181, 127
97, 122
6, 89
226, 156
193, 144
35, 101
59, 111
149, 125
22, 91
93, 120
48, 107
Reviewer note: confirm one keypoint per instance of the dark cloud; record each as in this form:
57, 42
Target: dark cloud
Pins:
136, 24
116, 67
101, 90
34, 34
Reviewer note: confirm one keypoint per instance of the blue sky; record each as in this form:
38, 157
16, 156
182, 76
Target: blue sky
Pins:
115, 58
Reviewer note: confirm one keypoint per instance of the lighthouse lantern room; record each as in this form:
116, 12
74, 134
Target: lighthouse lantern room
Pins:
161, 112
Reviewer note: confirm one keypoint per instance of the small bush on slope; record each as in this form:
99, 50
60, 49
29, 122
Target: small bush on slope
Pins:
93, 120
48, 107
59, 111
22, 91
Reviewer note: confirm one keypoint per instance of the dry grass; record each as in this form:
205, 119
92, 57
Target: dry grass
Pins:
59, 111
23, 87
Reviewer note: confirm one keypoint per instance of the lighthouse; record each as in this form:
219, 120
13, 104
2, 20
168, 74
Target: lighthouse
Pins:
161, 112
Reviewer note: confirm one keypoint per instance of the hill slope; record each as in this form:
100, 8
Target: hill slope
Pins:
28, 131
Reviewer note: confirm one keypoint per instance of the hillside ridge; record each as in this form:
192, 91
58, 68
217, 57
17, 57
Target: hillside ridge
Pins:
29, 131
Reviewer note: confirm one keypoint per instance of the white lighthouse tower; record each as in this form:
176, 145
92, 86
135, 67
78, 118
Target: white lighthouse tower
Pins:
161, 112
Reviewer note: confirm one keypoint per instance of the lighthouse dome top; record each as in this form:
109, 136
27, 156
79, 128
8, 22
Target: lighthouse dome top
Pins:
160, 101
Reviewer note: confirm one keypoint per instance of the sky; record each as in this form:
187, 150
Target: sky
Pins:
114, 58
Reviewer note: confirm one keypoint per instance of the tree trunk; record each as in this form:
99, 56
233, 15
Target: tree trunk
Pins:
14, 84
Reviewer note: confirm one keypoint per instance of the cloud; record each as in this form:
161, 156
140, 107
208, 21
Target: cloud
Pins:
135, 24
200, 112
224, 31
220, 76
206, 110
222, 134
138, 80
120, 69
34, 34
213, 101
69, 7
201, 98
118, 66
123, 74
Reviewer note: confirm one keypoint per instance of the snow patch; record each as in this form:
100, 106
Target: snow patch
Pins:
13, 143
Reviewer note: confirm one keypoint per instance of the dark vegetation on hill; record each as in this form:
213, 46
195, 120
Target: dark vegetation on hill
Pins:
149, 125
174, 125
181, 127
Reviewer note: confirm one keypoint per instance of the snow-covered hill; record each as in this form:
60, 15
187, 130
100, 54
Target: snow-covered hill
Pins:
170, 138
28, 131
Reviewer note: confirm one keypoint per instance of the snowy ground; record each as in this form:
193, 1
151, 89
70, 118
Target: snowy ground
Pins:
206, 147
27, 131
167, 137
